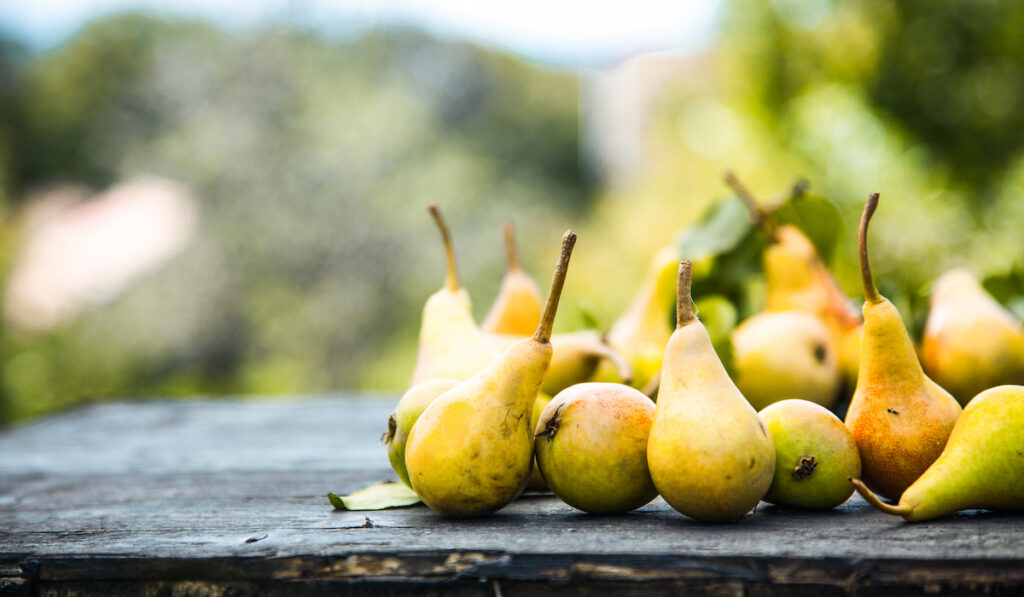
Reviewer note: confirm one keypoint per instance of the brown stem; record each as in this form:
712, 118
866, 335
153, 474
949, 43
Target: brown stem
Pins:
684, 303
871, 498
451, 278
757, 213
622, 366
870, 292
511, 251
547, 320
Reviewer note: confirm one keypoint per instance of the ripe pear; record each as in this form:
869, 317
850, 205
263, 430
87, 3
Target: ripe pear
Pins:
899, 417
575, 358
471, 450
981, 466
516, 310
643, 329
709, 455
591, 446
970, 341
797, 278
409, 409
815, 455
451, 345
785, 354
537, 482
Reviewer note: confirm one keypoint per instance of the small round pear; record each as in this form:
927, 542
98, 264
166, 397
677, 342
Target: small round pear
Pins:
537, 482
415, 400
591, 446
785, 354
815, 455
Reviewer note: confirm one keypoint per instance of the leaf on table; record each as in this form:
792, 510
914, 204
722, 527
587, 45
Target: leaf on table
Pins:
380, 496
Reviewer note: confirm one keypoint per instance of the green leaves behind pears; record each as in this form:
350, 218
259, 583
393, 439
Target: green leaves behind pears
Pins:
815, 455
980, 467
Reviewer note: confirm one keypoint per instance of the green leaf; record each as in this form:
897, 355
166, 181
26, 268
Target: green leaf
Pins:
817, 217
381, 496
720, 229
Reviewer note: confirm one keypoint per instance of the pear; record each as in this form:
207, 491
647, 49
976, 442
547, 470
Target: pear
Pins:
981, 466
537, 482
815, 455
516, 310
591, 446
709, 455
575, 358
899, 417
450, 345
643, 329
970, 341
796, 278
471, 450
785, 354
409, 409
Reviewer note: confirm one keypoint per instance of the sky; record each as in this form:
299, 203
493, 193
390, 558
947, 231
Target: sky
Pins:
562, 32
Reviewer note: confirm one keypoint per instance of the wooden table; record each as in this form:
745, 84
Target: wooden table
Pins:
228, 498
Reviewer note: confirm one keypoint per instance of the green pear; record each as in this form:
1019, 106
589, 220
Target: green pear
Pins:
980, 467
970, 341
899, 417
815, 455
591, 446
409, 409
471, 450
709, 455
537, 482
785, 354
516, 309
451, 345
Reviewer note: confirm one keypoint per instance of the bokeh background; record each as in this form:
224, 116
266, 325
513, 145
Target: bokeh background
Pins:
229, 198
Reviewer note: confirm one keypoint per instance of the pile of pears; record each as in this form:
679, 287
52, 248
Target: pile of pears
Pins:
609, 421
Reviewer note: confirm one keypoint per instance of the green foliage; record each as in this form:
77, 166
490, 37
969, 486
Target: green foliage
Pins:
817, 217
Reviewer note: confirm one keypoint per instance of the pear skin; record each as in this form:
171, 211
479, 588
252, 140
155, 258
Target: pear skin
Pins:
709, 455
517, 308
410, 407
591, 445
970, 341
981, 466
471, 451
643, 329
537, 482
899, 417
785, 354
450, 345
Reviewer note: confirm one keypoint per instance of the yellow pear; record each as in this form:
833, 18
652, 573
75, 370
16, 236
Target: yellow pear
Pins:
537, 482
516, 310
899, 417
575, 358
970, 341
451, 345
709, 455
982, 465
471, 450
409, 409
643, 329
785, 354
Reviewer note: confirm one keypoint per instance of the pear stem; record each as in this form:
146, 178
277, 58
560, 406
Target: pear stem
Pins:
870, 291
757, 213
547, 319
511, 250
621, 364
684, 304
871, 498
451, 278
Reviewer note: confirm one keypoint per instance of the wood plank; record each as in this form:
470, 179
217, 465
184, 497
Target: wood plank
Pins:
222, 496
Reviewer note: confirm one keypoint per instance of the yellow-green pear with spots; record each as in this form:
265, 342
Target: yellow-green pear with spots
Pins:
709, 455
471, 451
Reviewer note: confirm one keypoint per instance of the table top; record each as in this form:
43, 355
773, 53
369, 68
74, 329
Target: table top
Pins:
231, 494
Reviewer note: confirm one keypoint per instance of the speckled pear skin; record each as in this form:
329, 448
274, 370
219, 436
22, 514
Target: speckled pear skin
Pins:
591, 444
471, 451
709, 455
970, 342
981, 466
899, 417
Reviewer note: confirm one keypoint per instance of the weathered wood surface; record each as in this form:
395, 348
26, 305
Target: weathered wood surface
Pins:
197, 498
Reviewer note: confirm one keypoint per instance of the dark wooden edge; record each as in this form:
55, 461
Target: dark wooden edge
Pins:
842, 576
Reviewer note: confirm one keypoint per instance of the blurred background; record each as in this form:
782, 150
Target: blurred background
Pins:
213, 198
